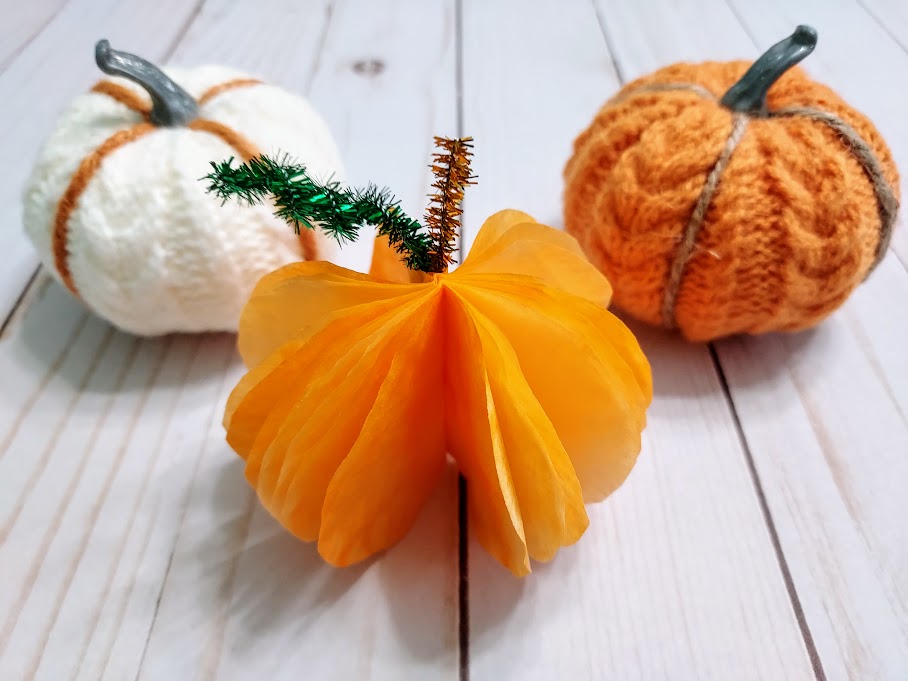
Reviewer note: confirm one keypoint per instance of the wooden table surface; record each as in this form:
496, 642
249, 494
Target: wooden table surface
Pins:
763, 534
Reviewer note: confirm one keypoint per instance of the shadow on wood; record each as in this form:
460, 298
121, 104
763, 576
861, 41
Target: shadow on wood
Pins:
263, 590
57, 337
682, 370
494, 593
421, 571
280, 582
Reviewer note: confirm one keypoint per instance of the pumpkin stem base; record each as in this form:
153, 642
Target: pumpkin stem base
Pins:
171, 104
748, 95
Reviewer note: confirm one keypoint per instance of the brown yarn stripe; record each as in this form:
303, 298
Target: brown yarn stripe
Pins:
139, 104
86, 170
90, 164
240, 144
248, 150
662, 87
215, 90
697, 218
123, 95
887, 204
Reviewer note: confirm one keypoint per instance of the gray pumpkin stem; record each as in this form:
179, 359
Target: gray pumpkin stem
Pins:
171, 104
748, 95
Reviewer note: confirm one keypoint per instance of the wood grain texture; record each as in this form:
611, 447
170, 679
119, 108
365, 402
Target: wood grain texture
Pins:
386, 82
676, 577
815, 406
278, 608
531, 81
824, 412
22, 21
132, 546
763, 523
892, 17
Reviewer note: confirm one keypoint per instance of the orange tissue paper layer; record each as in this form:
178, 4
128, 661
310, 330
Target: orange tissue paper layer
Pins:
359, 386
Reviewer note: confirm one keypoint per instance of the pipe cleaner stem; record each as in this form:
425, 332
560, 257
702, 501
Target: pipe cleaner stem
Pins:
339, 211
451, 166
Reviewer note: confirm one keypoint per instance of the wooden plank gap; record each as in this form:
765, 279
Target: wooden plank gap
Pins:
865, 343
214, 653
51, 531
902, 261
603, 29
463, 582
154, 616
806, 634
28, 41
887, 29
320, 50
184, 29
463, 525
185, 507
458, 63
793, 597
92, 623
70, 573
744, 27
45, 455
17, 312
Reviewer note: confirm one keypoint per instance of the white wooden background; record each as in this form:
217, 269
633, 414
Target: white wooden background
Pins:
763, 534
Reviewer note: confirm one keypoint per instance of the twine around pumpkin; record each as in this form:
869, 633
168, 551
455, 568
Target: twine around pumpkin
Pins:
887, 203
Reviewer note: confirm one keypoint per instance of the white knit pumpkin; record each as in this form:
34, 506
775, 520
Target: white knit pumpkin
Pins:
142, 243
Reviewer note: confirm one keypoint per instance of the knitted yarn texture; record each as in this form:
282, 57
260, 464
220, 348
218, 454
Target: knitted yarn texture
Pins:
720, 223
116, 210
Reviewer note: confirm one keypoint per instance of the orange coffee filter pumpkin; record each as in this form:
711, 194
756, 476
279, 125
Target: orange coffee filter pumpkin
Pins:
722, 199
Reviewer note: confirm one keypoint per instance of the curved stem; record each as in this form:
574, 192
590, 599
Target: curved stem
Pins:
171, 104
748, 95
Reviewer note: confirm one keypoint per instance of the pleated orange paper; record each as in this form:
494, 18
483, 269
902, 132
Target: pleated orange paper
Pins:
360, 386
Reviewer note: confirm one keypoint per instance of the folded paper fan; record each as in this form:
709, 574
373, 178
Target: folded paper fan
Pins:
359, 386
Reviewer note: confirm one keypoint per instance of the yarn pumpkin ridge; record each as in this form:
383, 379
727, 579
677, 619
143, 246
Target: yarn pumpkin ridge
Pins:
718, 207
115, 211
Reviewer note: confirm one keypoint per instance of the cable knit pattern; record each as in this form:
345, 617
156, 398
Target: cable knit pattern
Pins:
146, 247
791, 229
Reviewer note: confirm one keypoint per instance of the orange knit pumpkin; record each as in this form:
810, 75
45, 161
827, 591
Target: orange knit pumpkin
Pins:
750, 212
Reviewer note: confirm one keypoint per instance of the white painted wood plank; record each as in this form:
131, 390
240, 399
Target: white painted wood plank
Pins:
287, 608
676, 577
653, 591
102, 623
53, 67
824, 412
387, 84
849, 571
532, 81
133, 547
21, 22
892, 16
645, 39
830, 445
75, 462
